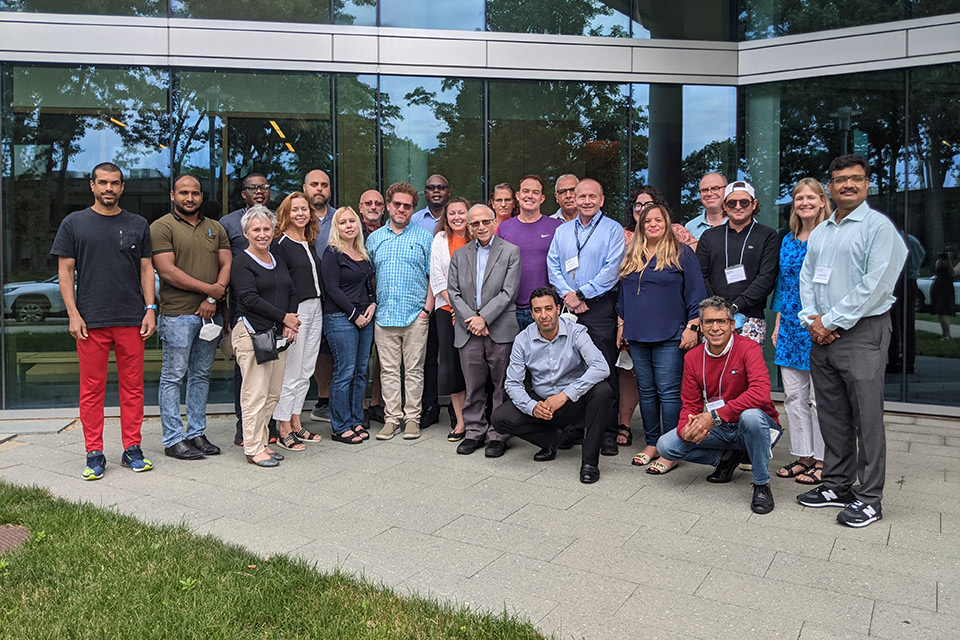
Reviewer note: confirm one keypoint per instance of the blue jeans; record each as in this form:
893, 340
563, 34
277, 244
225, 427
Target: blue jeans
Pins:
658, 367
350, 348
752, 434
184, 354
524, 318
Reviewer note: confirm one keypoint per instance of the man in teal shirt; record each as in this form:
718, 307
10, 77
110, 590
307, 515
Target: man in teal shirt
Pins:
846, 288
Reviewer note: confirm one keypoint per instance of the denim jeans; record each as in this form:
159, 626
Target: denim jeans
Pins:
658, 367
350, 348
524, 318
756, 433
184, 354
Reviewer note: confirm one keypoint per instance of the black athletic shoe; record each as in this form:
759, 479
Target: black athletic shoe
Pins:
762, 499
859, 514
823, 497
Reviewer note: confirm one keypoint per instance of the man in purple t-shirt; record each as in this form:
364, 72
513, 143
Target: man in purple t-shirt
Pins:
532, 232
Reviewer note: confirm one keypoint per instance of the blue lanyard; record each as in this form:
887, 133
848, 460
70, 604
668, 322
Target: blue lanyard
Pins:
576, 233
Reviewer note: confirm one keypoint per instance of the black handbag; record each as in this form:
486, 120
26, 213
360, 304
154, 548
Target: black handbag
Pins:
264, 346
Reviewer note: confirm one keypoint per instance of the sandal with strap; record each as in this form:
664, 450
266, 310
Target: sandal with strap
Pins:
360, 431
353, 438
626, 434
814, 475
787, 470
307, 436
642, 459
290, 442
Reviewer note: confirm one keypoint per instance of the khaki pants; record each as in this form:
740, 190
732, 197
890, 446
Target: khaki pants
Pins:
407, 347
259, 392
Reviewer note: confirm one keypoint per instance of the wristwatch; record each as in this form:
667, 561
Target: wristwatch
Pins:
580, 295
693, 327
716, 418
211, 300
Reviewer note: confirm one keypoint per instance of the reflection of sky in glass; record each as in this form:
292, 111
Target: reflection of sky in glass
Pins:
464, 15
363, 15
417, 122
106, 145
709, 114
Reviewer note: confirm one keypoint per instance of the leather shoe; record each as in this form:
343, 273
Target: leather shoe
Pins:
206, 447
724, 471
609, 447
589, 474
238, 439
495, 449
762, 499
431, 415
183, 450
269, 462
468, 446
546, 454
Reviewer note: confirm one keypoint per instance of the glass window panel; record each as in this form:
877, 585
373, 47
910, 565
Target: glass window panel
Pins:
308, 11
360, 13
688, 20
357, 136
566, 17
555, 127
94, 7
58, 123
435, 127
463, 15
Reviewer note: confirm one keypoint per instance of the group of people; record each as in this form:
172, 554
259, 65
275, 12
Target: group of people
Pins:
547, 328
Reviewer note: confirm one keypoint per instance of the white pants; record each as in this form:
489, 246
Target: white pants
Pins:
801, 408
301, 360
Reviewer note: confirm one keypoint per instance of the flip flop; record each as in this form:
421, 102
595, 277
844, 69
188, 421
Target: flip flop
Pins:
658, 468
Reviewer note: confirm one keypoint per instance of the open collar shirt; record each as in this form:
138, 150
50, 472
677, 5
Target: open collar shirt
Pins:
402, 265
598, 259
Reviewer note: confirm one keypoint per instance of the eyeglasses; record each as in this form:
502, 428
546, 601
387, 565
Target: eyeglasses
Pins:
719, 322
435, 187
842, 180
403, 206
640, 205
482, 223
706, 190
257, 188
743, 203
561, 192
372, 203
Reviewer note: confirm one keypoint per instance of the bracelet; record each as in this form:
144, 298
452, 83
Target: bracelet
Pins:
150, 306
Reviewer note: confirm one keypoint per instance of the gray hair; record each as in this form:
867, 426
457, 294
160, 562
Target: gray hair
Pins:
717, 303
481, 207
257, 212
564, 177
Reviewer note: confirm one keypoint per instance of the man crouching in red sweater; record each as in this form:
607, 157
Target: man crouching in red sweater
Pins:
726, 406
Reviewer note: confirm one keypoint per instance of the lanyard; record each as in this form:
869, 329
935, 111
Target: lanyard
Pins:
726, 254
720, 381
576, 233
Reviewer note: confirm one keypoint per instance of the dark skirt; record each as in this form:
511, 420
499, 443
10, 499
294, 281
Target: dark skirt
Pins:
941, 291
450, 375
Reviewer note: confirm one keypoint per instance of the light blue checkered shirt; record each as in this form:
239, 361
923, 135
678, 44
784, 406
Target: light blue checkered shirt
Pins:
402, 264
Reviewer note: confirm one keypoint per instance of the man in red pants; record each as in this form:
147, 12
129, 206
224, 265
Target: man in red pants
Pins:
109, 249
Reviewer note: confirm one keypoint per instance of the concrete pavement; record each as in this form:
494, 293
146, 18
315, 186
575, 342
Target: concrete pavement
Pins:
633, 556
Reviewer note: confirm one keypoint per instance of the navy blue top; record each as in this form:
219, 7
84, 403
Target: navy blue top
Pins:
657, 305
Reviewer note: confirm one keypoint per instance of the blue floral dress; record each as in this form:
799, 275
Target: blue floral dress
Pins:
793, 340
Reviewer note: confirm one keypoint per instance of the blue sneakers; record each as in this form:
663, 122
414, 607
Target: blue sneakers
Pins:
96, 462
133, 458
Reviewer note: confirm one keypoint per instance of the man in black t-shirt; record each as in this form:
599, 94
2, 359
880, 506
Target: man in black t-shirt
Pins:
106, 252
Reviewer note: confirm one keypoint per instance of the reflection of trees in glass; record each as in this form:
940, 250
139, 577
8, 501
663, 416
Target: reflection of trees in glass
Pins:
717, 156
565, 17
95, 7
309, 11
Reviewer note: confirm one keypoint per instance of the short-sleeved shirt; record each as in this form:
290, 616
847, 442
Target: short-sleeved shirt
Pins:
534, 239
195, 252
108, 250
402, 264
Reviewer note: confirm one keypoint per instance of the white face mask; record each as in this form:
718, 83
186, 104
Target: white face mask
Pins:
211, 331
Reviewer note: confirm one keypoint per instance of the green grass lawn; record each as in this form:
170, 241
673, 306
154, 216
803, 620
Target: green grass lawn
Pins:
89, 573
929, 317
930, 344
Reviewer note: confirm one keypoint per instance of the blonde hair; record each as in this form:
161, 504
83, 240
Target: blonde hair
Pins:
825, 210
283, 218
337, 243
668, 249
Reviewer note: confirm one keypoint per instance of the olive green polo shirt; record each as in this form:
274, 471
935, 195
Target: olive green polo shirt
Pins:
195, 252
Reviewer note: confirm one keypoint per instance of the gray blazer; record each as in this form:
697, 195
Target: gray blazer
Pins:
498, 293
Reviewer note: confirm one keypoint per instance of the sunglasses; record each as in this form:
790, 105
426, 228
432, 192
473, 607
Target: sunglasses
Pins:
733, 203
435, 187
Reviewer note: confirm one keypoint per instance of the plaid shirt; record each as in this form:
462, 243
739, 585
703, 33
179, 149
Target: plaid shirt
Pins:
402, 264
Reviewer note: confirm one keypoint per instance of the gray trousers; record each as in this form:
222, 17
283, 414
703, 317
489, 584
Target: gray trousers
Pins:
848, 379
481, 357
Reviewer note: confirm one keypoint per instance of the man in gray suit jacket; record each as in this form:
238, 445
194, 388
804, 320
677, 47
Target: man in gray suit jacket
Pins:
482, 283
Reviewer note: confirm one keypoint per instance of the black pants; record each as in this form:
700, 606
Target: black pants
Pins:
429, 396
595, 409
601, 323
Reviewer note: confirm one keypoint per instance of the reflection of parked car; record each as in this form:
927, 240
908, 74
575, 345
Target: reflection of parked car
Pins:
923, 300
33, 301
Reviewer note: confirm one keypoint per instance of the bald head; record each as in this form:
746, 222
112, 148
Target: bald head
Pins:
589, 196
316, 186
371, 208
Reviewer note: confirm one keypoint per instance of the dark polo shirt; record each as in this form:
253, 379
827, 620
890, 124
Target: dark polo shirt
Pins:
195, 252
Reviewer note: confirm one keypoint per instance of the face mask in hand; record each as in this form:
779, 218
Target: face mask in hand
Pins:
211, 331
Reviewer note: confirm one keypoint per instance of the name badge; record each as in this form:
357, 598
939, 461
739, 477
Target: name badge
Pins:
736, 273
715, 404
822, 275
572, 263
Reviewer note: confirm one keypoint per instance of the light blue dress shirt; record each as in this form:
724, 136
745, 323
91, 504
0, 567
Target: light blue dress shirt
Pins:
425, 220
698, 225
570, 363
865, 255
402, 264
600, 255
483, 254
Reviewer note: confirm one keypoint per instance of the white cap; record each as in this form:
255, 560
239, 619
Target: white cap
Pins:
739, 185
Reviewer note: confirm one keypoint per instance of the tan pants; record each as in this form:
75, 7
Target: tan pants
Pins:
260, 390
404, 346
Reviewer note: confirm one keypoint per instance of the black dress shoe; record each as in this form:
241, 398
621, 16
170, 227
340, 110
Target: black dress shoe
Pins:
762, 499
238, 439
468, 446
495, 449
206, 447
609, 445
546, 454
724, 471
183, 450
589, 474
430, 415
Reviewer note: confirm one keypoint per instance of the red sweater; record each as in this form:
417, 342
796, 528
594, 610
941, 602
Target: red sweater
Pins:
746, 381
